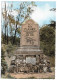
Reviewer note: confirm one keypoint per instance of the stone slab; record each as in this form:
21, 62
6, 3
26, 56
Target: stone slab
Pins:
30, 34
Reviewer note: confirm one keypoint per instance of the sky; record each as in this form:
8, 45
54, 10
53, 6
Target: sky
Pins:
41, 14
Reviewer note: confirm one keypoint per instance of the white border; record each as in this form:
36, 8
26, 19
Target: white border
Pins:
0, 40
55, 40
28, 0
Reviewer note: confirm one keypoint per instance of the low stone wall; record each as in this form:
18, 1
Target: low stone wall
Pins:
19, 64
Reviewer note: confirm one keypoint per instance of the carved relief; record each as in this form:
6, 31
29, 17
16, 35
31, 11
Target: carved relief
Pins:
30, 40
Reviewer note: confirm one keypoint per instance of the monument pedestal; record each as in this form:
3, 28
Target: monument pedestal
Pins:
28, 51
27, 60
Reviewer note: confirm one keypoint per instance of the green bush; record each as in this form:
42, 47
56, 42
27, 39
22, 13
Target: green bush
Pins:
52, 61
47, 40
3, 62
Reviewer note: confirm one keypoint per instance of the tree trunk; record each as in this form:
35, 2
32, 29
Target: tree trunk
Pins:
7, 35
15, 35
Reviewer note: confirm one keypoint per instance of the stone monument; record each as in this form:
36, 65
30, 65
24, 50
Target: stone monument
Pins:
30, 34
28, 57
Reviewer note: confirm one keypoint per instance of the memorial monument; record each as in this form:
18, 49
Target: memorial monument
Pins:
30, 34
29, 57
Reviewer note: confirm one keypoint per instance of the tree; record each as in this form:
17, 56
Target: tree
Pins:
5, 24
24, 12
47, 38
25, 9
3, 62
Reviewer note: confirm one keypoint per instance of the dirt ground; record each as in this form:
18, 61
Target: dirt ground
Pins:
35, 76
47, 75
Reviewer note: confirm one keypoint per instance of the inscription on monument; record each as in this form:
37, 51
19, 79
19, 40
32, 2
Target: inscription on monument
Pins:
30, 31
29, 34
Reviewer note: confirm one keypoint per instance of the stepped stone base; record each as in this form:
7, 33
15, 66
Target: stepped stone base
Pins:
28, 51
29, 59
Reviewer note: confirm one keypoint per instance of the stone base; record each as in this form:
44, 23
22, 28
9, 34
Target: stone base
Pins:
28, 51
28, 59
